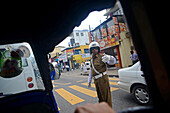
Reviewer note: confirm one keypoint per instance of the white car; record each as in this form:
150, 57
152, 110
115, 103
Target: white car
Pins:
132, 80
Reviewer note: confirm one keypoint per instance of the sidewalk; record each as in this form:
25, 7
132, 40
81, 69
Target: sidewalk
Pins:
113, 72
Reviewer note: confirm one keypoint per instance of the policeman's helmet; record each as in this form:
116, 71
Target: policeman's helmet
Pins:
94, 45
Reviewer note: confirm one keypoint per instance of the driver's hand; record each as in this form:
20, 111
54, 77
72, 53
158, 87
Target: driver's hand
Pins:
102, 107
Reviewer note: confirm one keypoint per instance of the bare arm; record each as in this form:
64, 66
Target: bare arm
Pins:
102, 107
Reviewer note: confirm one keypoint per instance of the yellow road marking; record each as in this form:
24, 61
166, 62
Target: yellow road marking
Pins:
55, 85
84, 90
113, 89
58, 108
66, 83
117, 79
113, 83
72, 99
79, 81
86, 84
61, 83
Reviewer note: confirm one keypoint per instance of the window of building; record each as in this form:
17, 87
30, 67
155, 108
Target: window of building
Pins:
82, 34
24, 62
77, 34
77, 51
86, 51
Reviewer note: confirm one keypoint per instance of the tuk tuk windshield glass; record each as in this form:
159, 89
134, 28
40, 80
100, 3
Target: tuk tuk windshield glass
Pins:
18, 69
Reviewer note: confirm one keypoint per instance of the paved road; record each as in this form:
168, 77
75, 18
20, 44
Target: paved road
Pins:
71, 90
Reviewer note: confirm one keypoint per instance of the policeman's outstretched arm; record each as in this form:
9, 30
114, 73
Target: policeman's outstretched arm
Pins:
111, 60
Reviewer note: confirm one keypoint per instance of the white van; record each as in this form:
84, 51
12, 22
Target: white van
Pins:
13, 81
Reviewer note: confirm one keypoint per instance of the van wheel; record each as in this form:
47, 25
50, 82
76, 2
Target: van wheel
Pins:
141, 94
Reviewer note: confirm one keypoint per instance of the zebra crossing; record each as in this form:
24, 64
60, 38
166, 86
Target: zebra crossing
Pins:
74, 99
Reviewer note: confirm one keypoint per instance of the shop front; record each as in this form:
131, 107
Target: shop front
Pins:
107, 35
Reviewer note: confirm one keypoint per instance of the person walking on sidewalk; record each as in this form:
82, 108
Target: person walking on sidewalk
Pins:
134, 57
98, 72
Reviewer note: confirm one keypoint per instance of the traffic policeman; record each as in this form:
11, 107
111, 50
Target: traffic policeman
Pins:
98, 72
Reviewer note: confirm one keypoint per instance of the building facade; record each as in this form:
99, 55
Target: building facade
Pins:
57, 51
113, 36
80, 37
77, 54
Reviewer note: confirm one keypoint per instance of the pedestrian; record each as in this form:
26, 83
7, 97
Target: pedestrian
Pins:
67, 67
52, 71
84, 68
133, 57
82, 65
98, 72
75, 64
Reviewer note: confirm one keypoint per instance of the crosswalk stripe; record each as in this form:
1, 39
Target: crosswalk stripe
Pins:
55, 85
58, 109
113, 89
113, 83
84, 90
72, 99
86, 84
116, 79
79, 81
61, 83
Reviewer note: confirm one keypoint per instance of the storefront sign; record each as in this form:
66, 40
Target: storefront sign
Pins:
63, 57
109, 41
122, 26
85, 55
77, 57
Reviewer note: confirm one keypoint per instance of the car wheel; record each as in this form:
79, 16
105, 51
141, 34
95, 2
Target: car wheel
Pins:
141, 94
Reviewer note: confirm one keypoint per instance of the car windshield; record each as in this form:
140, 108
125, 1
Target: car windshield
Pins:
18, 69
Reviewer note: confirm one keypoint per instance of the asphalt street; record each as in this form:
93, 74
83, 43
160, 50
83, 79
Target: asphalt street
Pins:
71, 90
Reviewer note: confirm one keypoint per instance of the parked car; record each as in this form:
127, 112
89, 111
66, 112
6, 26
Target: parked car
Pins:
132, 80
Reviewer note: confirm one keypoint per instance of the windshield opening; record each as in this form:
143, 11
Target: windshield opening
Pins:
107, 33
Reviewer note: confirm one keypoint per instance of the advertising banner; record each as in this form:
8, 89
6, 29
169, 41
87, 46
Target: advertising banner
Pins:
63, 57
122, 26
111, 27
109, 41
85, 55
103, 30
115, 20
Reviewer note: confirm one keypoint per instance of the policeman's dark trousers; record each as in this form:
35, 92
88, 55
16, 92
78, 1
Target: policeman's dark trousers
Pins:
103, 90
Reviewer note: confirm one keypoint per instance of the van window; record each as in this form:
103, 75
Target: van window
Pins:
18, 69
87, 63
24, 62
